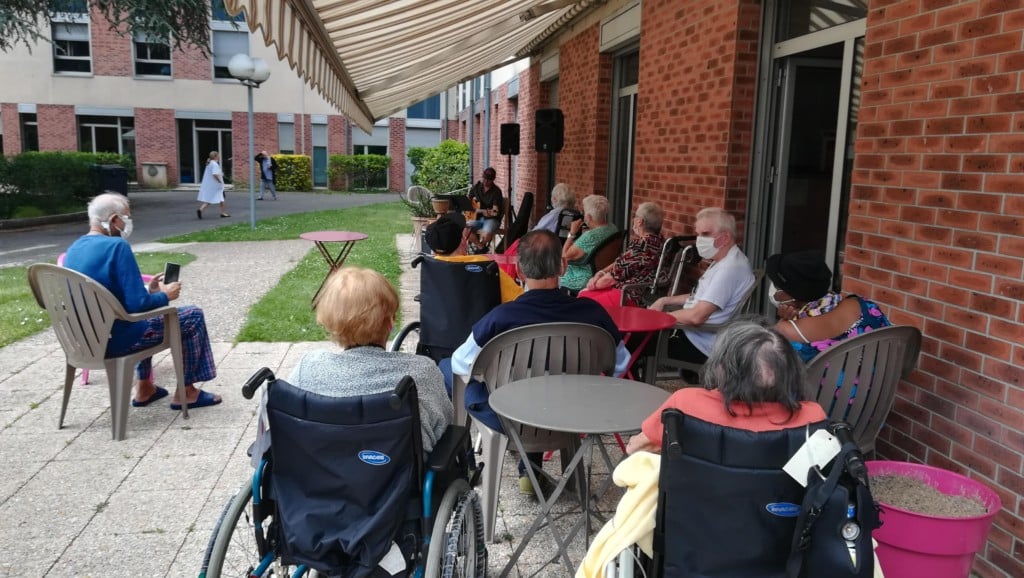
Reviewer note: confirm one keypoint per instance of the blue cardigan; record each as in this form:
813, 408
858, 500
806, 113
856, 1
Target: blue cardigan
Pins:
110, 262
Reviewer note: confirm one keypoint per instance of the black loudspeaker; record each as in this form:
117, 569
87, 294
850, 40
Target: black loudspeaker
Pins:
550, 126
510, 138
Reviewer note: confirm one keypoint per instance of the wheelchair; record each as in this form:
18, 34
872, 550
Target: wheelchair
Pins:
453, 296
344, 490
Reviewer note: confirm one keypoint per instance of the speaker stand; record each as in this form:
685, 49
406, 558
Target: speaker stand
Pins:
551, 178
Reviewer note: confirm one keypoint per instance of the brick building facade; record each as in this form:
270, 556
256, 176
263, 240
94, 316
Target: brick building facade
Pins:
931, 220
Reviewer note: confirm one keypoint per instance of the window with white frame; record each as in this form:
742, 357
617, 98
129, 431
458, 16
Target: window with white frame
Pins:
106, 134
286, 138
71, 47
227, 43
152, 55
227, 38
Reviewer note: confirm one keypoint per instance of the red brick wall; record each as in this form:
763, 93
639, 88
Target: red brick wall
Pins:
338, 141
396, 150
935, 236
111, 52
58, 130
695, 106
264, 137
584, 88
12, 128
531, 168
189, 63
156, 140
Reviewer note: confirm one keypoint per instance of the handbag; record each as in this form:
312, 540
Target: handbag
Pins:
837, 516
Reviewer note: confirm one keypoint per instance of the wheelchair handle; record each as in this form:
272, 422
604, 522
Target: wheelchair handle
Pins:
254, 382
415, 262
404, 386
854, 459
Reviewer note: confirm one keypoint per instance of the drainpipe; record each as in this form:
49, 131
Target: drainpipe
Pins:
487, 120
471, 123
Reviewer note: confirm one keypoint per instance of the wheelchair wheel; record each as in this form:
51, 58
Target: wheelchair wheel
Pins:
457, 546
235, 552
408, 339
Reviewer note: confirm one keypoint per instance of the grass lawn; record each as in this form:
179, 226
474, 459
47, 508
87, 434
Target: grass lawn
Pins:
284, 313
20, 317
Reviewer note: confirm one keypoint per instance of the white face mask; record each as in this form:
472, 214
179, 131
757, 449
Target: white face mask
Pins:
772, 290
706, 247
128, 226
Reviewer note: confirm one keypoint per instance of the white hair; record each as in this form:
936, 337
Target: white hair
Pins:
652, 216
105, 206
597, 207
722, 220
563, 197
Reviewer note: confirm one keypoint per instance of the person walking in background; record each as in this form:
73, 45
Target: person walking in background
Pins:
268, 174
211, 190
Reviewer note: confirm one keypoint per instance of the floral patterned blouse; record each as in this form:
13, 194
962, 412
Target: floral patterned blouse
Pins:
638, 264
871, 317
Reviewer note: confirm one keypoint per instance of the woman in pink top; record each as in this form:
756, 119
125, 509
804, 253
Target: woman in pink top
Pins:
755, 383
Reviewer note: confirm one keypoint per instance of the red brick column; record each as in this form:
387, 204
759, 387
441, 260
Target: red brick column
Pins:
936, 237
396, 150
58, 130
584, 86
338, 140
532, 167
111, 52
156, 140
12, 128
190, 63
694, 122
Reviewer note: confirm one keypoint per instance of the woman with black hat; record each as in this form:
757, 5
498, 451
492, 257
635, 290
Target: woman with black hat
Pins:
812, 316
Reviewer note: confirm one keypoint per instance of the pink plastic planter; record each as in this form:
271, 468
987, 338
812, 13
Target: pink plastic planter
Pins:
912, 544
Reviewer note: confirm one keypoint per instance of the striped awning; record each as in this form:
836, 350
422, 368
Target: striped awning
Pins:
371, 58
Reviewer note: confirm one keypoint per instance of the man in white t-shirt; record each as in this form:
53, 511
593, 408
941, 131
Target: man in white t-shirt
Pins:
718, 292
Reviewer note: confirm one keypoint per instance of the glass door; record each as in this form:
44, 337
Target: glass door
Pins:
623, 138
810, 159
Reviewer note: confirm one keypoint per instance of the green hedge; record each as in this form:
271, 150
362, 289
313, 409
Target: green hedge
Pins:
351, 171
294, 173
49, 182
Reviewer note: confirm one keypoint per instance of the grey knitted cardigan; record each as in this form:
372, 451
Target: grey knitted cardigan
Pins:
366, 370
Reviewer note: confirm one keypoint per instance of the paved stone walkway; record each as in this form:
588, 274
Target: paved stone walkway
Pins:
75, 503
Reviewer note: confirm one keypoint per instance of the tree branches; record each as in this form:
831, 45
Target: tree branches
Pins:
182, 22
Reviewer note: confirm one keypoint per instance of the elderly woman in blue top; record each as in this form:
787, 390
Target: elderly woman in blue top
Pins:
104, 255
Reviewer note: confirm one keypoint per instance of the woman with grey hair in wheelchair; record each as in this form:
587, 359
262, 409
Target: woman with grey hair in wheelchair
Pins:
753, 381
357, 308
752, 410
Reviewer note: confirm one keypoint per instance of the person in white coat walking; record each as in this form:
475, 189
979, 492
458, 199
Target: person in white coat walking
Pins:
211, 190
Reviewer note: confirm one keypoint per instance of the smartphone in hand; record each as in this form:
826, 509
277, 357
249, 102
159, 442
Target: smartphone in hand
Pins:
171, 271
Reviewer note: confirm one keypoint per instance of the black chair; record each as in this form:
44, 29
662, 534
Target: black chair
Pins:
342, 483
520, 222
605, 253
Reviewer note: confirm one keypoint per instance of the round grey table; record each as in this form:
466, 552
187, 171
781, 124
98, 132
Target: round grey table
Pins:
590, 405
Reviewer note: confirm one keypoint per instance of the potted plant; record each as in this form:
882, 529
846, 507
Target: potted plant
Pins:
418, 200
938, 544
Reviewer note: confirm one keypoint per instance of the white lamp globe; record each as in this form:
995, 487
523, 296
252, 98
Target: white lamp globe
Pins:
241, 66
261, 72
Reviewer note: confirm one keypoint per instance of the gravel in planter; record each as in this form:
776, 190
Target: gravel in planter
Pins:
917, 496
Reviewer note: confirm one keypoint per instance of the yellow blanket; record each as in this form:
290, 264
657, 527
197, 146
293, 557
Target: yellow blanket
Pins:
633, 522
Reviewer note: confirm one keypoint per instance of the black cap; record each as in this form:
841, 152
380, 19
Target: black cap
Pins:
803, 274
490, 173
445, 234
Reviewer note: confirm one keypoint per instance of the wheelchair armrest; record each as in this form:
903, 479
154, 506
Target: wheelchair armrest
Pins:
454, 440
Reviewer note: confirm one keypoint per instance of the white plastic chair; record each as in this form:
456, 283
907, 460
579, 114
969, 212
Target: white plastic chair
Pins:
82, 313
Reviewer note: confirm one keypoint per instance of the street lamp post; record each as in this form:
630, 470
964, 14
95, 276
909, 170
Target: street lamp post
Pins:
252, 72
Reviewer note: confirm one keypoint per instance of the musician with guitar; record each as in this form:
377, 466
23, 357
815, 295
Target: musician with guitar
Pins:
490, 205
